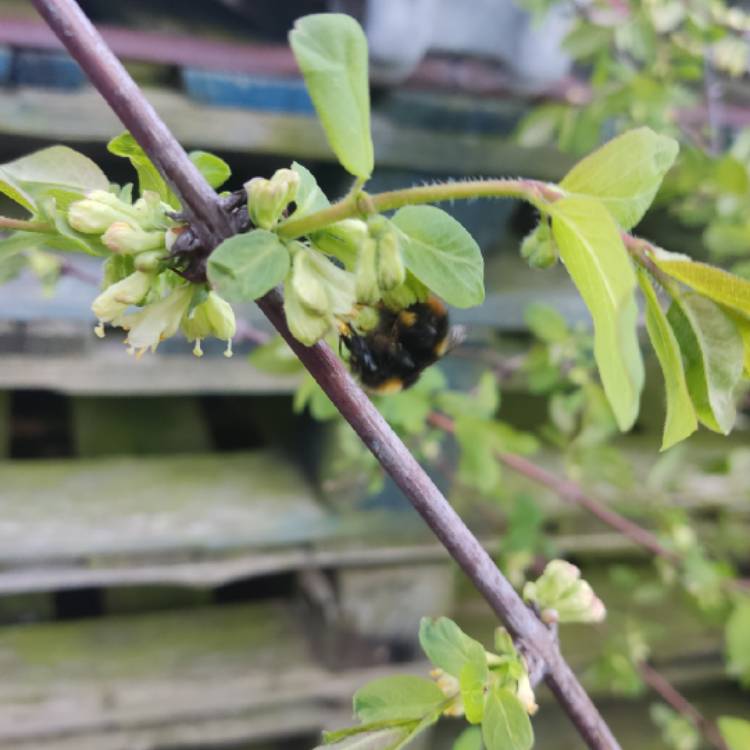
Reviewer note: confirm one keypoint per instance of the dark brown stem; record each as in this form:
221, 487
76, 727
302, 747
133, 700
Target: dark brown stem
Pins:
87, 47
667, 692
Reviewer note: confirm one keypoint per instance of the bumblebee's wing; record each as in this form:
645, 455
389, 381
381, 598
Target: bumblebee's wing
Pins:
456, 336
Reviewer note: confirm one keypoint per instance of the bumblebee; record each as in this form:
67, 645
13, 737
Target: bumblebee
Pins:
392, 355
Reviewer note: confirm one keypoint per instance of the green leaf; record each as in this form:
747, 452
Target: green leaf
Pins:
478, 464
598, 263
471, 681
681, 419
713, 354
441, 254
276, 357
715, 283
447, 646
397, 697
546, 323
506, 725
213, 168
736, 732
482, 402
737, 637
30, 179
625, 174
469, 739
148, 176
331, 51
246, 266
310, 198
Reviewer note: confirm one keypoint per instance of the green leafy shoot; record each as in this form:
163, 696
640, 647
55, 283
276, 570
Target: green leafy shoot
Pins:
506, 724
447, 646
397, 697
331, 51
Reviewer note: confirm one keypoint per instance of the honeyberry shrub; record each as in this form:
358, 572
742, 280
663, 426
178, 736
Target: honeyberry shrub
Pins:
677, 67
338, 262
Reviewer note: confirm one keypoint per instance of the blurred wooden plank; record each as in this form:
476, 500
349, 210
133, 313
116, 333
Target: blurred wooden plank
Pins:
82, 116
108, 370
148, 506
234, 672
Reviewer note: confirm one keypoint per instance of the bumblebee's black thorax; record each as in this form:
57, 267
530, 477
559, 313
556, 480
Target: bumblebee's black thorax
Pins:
393, 354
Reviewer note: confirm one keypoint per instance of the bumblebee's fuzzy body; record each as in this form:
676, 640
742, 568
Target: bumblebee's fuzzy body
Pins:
392, 355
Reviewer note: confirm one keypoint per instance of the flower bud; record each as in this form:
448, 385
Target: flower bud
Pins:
116, 298
366, 273
149, 261
267, 199
307, 284
342, 240
563, 596
539, 248
150, 212
525, 694
124, 238
391, 269
306, 325
95, 213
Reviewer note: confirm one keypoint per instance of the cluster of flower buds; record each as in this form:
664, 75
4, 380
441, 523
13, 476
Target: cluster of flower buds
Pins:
380, 266
563, 596
368, 268
139, 236
267, 199
539, 249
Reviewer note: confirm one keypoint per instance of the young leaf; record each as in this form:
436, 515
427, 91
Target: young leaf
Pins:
624, 174
31, 178
148, 175
447, 646
397, 697
331, 51
743, 327
246, 266
506, 725
310, 198
441, 254
713, 353
471, 680
715, 283
478, 464
546, 323
598, 263
681, 420
735, 732
469, 739
213, 168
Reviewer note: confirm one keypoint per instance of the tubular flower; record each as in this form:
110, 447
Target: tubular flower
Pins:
116, 298
157, 321
213, 317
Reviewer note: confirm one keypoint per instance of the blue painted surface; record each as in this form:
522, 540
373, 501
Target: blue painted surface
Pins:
47, 69
5, 61
264, 93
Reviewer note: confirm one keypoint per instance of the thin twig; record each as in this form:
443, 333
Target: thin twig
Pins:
109, 76
575, 494
665, 690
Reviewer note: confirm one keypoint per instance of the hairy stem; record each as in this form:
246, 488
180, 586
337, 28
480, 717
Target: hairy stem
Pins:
108, 75
537, 193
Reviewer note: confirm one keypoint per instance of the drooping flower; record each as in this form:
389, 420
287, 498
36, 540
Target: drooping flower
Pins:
116, 298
